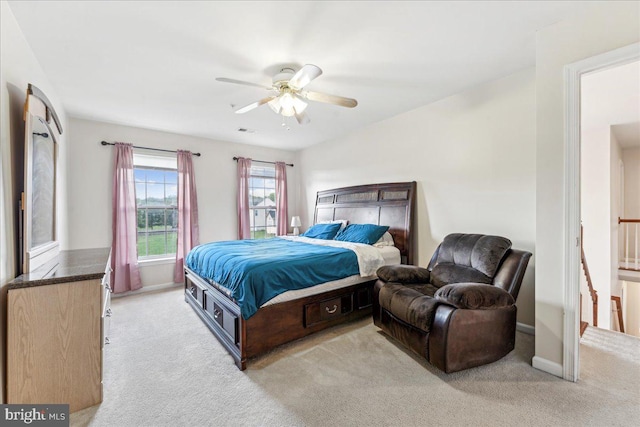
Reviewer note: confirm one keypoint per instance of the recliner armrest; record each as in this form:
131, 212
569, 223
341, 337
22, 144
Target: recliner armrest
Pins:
474, 296
403, 274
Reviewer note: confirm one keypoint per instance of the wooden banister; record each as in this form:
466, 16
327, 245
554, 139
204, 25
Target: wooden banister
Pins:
618, 302
628, 221
630, 243
592, 292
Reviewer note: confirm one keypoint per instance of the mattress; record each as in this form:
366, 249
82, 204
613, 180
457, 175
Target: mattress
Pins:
390, 254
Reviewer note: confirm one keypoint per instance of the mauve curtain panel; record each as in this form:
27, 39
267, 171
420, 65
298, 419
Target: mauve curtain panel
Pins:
281, 199
244, 173
188, 231
125, 275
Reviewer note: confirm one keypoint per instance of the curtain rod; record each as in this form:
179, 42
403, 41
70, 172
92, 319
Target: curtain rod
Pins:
263, 161
148, 148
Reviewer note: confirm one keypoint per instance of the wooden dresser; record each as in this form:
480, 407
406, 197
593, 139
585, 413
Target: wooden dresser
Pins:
56, 331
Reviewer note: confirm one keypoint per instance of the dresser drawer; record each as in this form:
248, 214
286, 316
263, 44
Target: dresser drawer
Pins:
328, 310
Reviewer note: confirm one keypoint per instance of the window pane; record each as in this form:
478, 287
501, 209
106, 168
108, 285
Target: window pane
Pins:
171, 197
155, 220
256, 197
256, 182
155, 194
262, 200
156, 176
157, 244
141, 198
157, 216
265, 170
172, 219
142, 244
171, 177
172, 242
270, 220
270, 199
139, 175
141, 216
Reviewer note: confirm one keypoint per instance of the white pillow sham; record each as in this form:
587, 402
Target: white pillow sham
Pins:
385, 240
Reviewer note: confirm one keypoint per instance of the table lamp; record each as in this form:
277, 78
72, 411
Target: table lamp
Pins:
295, 223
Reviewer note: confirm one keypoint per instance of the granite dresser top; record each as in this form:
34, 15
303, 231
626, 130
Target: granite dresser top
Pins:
70, 266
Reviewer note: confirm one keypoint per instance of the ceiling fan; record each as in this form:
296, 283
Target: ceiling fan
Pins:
287, 93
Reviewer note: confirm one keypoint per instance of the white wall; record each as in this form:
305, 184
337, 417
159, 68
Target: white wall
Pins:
90, 179
472, 155
631, 308
603, 27
631, 160
614, 213
18, 68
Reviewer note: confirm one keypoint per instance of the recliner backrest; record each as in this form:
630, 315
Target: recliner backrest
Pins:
469, 258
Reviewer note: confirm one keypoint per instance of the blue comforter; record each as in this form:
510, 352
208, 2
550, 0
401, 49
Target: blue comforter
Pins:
255, 271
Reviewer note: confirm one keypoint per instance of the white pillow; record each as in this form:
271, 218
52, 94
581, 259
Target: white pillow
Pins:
385, 240
343, 223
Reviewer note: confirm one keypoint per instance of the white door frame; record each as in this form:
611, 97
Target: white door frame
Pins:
572, 74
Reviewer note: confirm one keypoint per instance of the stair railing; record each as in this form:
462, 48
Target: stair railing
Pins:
631, 236
592, 292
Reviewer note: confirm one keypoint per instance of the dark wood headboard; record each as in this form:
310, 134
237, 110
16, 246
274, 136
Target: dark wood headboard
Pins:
381, 204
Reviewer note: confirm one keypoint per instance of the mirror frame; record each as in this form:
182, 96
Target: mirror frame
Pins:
38, 108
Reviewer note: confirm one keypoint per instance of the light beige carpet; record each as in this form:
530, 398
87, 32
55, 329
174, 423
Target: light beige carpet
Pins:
164, 367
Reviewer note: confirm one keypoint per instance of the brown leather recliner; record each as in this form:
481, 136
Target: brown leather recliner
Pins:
460, 311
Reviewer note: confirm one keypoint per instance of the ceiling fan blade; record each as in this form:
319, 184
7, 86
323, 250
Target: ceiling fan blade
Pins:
329, 99
240, 82
304, 76
302, 118
255, 105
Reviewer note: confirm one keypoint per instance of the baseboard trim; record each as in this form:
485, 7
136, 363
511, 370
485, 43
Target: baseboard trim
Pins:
146, 289
524, 328
547, 366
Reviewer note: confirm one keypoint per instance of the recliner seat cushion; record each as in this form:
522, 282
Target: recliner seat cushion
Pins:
477, 251
447, 272
413, 304
474, 296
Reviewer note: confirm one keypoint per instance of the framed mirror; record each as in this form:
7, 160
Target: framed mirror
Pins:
38, 203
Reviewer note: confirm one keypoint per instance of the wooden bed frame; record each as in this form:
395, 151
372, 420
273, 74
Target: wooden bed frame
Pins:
273, 325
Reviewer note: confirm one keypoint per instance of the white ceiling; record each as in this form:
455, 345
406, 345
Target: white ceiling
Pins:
611, 98
152, 64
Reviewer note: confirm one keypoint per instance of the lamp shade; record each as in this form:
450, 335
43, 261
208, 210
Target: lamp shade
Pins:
295, 221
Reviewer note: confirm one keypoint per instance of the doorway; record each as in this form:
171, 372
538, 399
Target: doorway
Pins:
572, 243
609, 139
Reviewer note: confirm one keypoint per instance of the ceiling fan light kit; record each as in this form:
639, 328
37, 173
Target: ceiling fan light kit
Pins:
288, 97
288, 105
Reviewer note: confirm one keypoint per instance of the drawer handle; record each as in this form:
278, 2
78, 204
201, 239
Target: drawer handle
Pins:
106, 340
335, 307
109, 313
216, 313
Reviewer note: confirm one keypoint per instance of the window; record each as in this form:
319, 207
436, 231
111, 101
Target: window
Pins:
262, 202
156, 180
